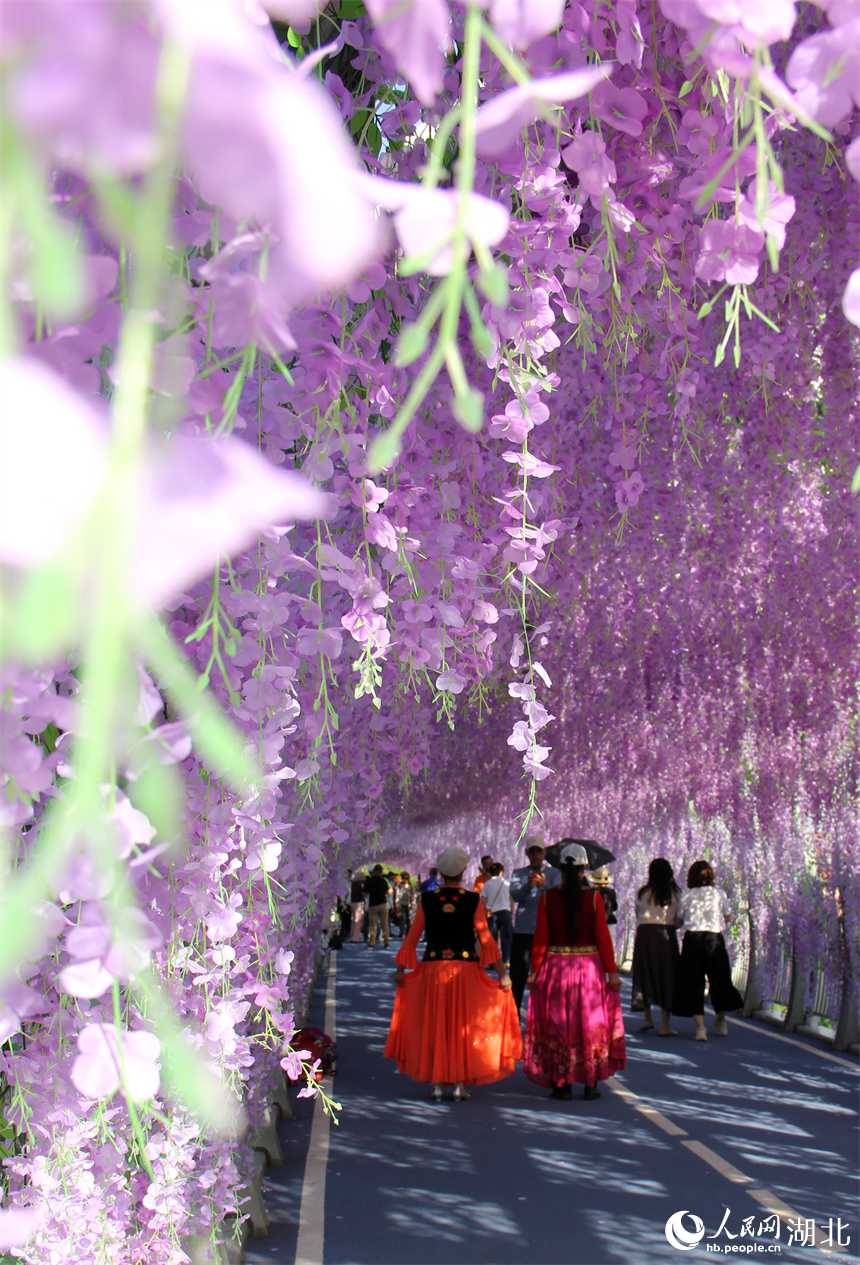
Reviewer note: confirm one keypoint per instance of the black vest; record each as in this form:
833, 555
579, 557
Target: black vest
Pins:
449, 925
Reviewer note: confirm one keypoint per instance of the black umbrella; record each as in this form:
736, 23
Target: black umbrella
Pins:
596, 853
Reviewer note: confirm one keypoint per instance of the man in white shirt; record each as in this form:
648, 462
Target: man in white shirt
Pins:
499, 908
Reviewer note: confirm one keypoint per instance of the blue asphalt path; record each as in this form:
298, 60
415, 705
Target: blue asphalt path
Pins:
514, 1178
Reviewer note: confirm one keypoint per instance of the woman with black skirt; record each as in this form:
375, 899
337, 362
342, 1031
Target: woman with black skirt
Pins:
705, 913
655, 950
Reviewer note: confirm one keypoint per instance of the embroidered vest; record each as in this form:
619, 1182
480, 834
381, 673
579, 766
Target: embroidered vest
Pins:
449, 925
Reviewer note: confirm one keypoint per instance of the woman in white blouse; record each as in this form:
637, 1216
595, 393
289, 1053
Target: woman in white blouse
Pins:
655, 949
705, 914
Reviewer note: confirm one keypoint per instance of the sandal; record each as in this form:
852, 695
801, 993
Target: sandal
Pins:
438, 1093
459, 1094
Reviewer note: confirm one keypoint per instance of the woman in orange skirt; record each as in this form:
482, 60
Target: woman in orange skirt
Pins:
452, 1024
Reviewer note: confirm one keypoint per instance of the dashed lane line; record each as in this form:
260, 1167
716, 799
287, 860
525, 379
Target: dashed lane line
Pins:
645, 1108
770, 1202
310, 1246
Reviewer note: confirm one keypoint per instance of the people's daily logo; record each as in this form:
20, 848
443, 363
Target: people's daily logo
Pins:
679, 1236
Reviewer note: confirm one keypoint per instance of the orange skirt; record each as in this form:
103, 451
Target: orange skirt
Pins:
451, 1023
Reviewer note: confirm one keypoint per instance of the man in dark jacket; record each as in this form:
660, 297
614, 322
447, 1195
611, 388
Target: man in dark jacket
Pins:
377, 888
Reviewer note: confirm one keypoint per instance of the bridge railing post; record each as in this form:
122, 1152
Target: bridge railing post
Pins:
795, 1013
752, 991
847, 1026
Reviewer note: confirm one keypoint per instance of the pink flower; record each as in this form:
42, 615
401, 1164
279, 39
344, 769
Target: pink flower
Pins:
778, 210
267, 145
415, 33
824, 71
586, 155
851, 298
424, 219
17, 1227
730, 252
500, 121
451, 681
520, 22
44, 426
622, 108
96, 1071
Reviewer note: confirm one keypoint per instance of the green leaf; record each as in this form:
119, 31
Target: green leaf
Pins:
481, 340
855, 482
56, 272
468, 409
41, 619
686, 86
183, 1067
384, 452
773, 252
494, 283
411, 344
158, 792
219, 743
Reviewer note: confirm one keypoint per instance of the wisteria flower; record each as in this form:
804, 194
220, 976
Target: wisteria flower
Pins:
824, 71
521, 737
730, 252
451, 681
586, 155
500, 121
778, 210
424, 219
106, 1059
18, 1224
416, 33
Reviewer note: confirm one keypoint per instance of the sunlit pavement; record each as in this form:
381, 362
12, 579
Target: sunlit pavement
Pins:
513, 1177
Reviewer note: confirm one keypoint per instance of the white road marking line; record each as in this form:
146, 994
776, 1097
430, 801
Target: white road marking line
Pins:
310, 1246
662, 1122
810, 1049
772, 1203
717, 1163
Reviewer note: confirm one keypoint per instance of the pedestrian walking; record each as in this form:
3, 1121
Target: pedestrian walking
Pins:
406, 903
527, 884
376, 886
432, 882
601, 880
498, 907
705, 913
574, 1025
452, 1025
356, 907
483, 874
656, 958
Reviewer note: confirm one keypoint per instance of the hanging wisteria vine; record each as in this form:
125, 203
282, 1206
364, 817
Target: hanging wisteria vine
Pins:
420, 420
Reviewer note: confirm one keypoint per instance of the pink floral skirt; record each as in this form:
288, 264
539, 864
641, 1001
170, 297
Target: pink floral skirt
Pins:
574, 1028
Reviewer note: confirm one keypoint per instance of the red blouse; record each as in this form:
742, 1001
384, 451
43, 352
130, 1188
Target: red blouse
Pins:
591, 927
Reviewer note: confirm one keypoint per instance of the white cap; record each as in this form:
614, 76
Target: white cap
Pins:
574, 852
451, 862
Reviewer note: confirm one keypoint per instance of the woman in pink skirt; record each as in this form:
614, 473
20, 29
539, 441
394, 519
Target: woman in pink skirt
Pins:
574, 1028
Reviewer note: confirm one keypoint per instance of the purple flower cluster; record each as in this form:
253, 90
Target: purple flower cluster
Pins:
233, 268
